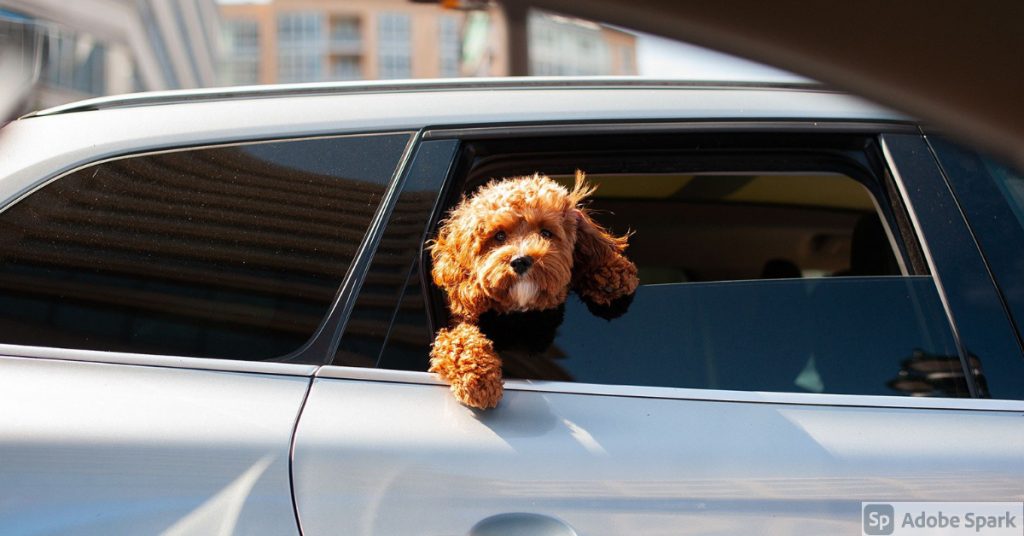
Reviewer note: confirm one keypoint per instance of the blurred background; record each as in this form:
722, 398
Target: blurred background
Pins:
67, 51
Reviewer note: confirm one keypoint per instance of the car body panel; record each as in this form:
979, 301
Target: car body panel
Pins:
94, 448
384, 456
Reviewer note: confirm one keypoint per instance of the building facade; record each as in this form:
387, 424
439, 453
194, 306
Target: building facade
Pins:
321, 40
104, 47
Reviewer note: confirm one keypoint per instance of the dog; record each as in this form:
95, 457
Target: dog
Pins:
506, 258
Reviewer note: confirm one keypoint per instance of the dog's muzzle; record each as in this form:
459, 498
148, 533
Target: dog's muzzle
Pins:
521, 264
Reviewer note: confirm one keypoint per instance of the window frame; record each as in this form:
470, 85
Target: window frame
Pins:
327, 334
884, 161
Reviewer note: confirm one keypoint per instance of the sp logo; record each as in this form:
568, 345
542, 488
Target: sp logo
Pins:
879, 519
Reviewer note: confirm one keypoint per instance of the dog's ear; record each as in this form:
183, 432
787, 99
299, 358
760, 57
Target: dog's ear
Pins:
451, 255
602, 276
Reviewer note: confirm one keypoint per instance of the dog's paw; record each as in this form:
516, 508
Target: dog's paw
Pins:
465, 359
616, 308
608, 283
481, 391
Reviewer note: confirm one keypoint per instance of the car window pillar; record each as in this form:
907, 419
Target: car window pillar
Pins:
985, 336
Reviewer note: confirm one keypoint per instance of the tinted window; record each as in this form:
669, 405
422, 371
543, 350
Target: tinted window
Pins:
991, 195
883, 336
232, 252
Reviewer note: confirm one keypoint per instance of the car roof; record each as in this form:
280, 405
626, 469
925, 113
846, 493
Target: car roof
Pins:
59, 139
403, 86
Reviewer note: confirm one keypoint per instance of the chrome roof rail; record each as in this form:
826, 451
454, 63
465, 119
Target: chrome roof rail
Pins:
400, 86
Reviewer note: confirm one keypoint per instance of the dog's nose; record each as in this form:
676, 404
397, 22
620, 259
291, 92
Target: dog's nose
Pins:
522, 264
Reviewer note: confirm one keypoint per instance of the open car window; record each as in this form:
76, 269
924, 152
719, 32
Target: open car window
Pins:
781, 268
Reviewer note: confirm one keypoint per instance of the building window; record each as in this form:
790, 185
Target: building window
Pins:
346, 45
395, 45
75, 61
241, 52
449, 46
300, 47
346, 37
346, 68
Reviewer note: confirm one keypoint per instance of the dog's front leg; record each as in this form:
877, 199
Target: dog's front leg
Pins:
465, 359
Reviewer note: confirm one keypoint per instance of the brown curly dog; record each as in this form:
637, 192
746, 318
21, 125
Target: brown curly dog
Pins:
517, 245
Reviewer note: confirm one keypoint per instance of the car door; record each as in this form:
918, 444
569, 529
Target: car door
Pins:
756, 406
161, 316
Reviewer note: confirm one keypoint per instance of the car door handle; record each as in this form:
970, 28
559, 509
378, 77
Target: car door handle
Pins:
521, 524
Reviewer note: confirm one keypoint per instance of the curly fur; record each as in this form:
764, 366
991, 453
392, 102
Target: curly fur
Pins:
533, 217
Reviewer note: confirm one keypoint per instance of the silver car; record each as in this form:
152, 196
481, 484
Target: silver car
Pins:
216, 314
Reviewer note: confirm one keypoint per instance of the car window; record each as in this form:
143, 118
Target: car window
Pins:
230, 252
991, 195
753, 277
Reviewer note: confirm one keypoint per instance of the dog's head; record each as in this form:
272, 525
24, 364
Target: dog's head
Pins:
516, 245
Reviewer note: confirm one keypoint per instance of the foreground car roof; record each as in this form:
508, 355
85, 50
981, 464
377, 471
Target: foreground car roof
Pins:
399, 86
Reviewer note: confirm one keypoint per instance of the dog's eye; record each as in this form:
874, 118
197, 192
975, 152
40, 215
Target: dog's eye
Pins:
546, 233
500, 237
